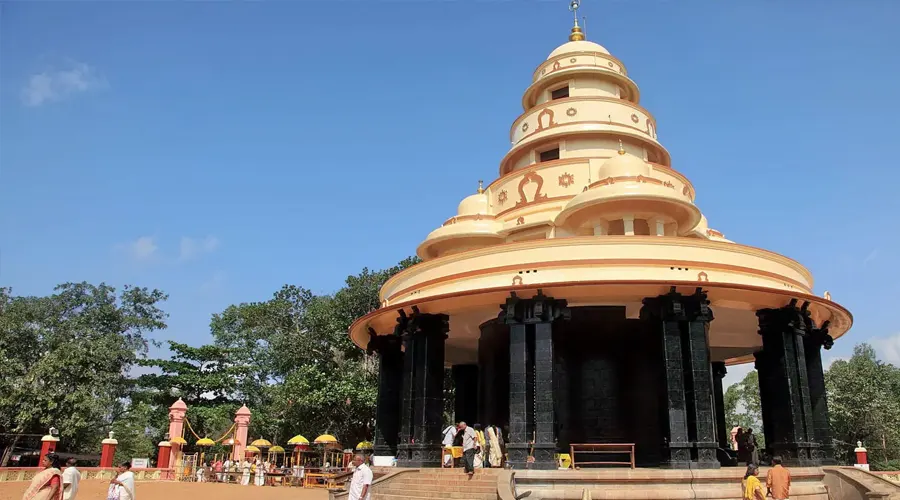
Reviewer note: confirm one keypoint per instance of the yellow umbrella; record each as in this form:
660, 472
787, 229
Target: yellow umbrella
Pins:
326, 439
178, 440
276, 449
298, 440
252, 449
205, 442
364, 445
261, 443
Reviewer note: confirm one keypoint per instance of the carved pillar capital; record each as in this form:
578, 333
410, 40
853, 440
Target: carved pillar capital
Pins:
538, 309
719, 369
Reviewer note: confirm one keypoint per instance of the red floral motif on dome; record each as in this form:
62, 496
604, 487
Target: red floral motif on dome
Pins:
566, 180
502, 197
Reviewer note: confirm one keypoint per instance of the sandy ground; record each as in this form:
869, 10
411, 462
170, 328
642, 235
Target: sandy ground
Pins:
96, 490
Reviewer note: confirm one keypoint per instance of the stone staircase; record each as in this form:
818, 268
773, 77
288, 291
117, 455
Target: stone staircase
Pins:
430, 484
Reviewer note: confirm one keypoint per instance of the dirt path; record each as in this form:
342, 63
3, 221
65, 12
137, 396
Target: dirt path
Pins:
96, 490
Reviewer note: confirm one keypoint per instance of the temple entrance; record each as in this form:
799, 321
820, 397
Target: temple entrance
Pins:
606, 377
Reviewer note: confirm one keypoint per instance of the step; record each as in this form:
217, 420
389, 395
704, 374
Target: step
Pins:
406, 496
411, 487
462, 481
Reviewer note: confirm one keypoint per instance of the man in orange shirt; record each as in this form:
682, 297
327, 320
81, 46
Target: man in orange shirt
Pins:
778, 480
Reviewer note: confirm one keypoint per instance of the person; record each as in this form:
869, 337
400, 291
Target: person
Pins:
122, 487
260, 476
743, 453
47, 484
447, 443
218, 467
752, 446
245, 472
361, 482
778, 480
751, 485
201, 472
70, 478
479, 447
495, 451
469, 443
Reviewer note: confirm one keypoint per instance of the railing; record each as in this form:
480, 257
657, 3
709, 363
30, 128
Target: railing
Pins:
601, 449
28, 473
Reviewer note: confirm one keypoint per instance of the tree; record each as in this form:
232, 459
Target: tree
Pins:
742, 406
206, 378
64, 359
864, 403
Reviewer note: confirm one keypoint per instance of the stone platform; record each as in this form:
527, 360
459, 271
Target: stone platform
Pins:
607, 483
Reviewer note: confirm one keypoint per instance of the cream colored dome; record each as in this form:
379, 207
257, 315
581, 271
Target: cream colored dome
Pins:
578, 46
624, 165
473, 205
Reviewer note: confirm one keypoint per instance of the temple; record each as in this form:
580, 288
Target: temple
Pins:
582, 297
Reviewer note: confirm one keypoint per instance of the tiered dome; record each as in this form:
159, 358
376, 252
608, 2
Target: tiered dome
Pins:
585, 161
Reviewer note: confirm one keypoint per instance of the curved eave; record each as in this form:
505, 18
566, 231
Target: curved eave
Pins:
585, 129
529, 98
443, 235
841, 318
684, 226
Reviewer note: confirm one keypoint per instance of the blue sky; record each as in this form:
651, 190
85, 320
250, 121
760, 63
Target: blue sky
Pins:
219, 150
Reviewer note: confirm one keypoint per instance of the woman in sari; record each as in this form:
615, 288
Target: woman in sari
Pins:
751, 485
47, 484
122, 487
495, 453
480, 446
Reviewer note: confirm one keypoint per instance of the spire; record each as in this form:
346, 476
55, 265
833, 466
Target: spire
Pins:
576, 35
621, 147
480, 186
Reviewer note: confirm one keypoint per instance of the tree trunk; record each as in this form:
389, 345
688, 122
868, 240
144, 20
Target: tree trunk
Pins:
9, 450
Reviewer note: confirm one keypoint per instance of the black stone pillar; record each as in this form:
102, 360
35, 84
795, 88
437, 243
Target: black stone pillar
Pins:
722, 435
689, 430
390, 383
783, 371
465, 379
531, 419
407, 393
815, 340
424, 388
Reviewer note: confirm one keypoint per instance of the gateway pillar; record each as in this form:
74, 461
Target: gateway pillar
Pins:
689, 438
423, 388
815, 340
784, 385
719, 371
390, 383
531, 418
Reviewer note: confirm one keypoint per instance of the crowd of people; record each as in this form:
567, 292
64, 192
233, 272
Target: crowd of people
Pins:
481, 447
55, 483
245, 472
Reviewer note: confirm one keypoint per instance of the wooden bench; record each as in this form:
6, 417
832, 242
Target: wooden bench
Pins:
601, 449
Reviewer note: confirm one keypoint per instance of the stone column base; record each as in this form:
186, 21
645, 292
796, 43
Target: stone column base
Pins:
797, 454
419, 455
517, 455
543, 457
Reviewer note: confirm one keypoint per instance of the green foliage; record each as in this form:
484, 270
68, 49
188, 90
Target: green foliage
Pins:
864, 403
886, 465
742, 406
64, 358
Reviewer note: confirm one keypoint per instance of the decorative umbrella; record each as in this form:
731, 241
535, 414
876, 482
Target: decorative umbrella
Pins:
276, 449
180, 441
204, 443
231, 442
261, 443
364, 445
252, 449
325, 440
298, 440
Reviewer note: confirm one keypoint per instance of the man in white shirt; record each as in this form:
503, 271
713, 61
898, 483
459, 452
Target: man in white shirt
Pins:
447, 443
70, 478
469, 442
361, 482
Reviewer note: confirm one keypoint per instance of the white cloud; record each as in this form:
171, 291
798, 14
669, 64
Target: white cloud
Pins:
194, 247
141, 249
736, 373
887, 348
60, 83
869, 258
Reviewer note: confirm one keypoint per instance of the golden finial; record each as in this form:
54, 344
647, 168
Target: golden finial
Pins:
621, 147
576, 35
480, 186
